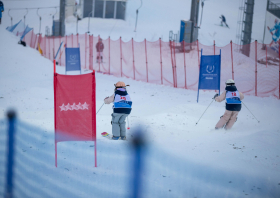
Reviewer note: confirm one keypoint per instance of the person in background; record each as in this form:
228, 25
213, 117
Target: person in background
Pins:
121, 109
99, 49
1, 10
233, 105
223, 20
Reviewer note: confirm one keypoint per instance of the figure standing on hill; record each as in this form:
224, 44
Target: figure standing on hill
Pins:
1, 10
99, 49
233, 105
121, 109
223, 20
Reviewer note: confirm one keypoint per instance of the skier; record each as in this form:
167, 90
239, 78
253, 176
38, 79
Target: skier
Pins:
1, 10
223, 20
121, 109
233, 105
99, 49
276, 28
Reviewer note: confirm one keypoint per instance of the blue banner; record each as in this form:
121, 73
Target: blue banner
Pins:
26, 30
73, 61
209, 73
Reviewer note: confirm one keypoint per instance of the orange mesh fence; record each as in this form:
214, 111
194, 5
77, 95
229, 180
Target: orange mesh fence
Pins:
254, 67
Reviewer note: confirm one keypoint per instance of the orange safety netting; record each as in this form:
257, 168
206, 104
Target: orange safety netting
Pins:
254, 67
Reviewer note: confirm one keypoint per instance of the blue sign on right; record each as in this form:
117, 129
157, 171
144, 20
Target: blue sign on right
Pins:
209, 73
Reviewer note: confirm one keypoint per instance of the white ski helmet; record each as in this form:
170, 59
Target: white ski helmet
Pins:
230, 82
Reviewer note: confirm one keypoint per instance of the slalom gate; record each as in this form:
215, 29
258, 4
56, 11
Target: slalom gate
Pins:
255, 67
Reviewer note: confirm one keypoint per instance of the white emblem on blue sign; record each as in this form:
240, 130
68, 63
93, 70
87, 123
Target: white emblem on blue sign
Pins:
210, 69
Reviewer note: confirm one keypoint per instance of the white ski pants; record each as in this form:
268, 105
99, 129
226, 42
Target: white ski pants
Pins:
118, 124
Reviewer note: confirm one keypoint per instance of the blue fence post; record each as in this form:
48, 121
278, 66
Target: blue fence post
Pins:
10, 153
138, 145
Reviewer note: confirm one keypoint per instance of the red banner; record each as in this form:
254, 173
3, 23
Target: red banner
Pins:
75, 108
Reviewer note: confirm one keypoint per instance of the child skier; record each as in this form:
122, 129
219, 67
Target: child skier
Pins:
99, 49
233, 105
121, 109
1, 10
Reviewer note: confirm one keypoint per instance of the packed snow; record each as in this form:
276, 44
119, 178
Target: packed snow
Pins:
182, 159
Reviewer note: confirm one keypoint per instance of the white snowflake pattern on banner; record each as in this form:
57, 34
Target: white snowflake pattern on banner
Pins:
74, 106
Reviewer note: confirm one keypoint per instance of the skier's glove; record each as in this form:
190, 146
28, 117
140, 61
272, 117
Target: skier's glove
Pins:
216, 95
106, 97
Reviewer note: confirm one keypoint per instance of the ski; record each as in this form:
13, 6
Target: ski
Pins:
107, 135
222, 26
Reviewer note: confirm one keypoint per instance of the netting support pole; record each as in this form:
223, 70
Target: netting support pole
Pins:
11, 151
160, 60
34, 46
49, 47
197, 53
256, 70
53, 47
99, 54
90, 61
172, 64
214, 47
77, 40
85, 50
109, 55
45, 41
133, 59
231, 60
146, 60
121, 54
266, 55
31, 44
60, 51
279, 68
55, 142
72, 40
175, 69
185, 67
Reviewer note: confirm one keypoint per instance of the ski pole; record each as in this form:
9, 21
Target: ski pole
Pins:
204, 111
128, 123
100, 108
250, 112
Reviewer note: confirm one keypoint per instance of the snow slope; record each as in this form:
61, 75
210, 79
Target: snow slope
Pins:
181, 159
155, 19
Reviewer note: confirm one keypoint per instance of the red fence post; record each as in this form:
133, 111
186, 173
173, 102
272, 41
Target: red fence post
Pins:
146, 61
99, 54
45, 50
266, 55
90, 52
109, 55
232, 61
53, 47
198, 53
160, 60
121, 53
256, 70
60, 50
185, 67
31, 44
49, 47
85, 50
175, 69
172, 61
133, 59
